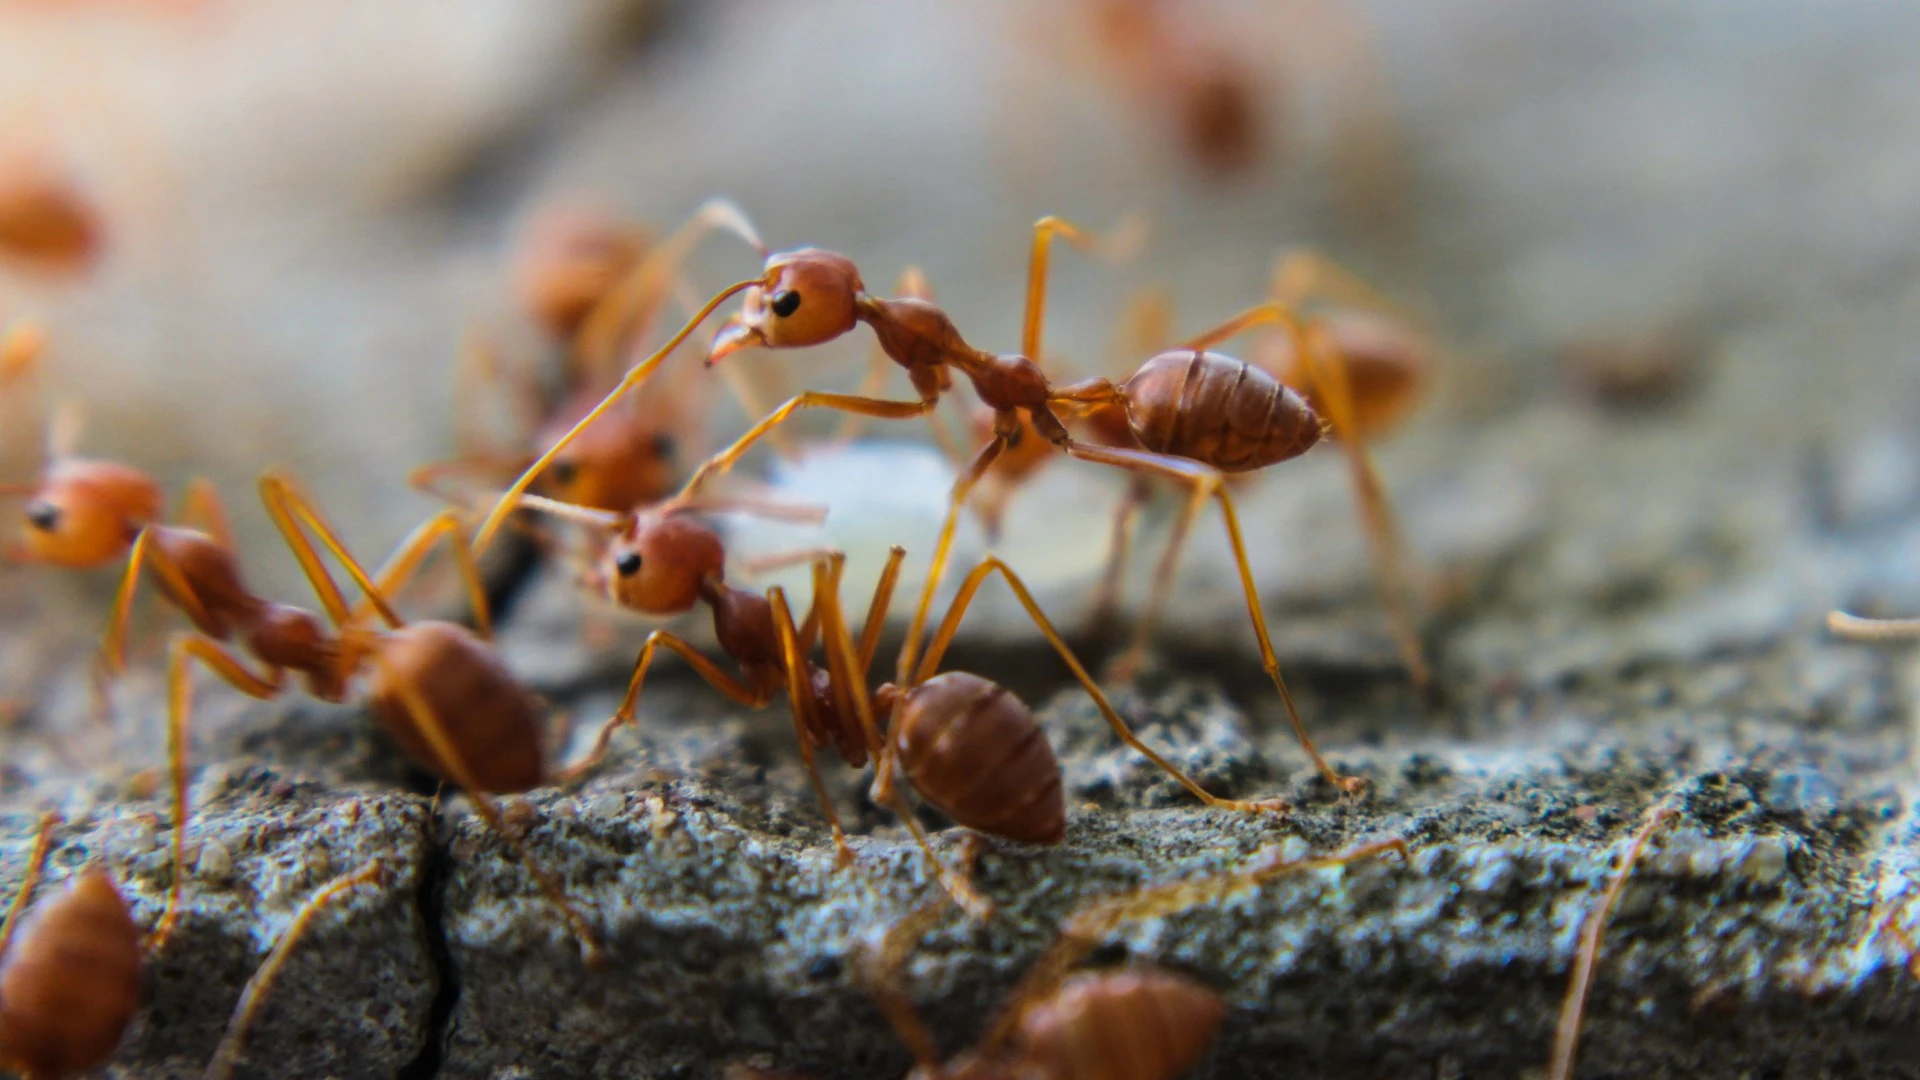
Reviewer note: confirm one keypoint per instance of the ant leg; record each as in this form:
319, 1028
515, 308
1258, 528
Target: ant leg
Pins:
1855, 628
256, 989
287, 508
1085, 928
805, 720
431, 729
36, 865
637, 375
113, 646
1208, 481
1125, 239
951, 624
841, 655
876, 620
628, 309
629, 708
1262, 314
405, 561
218, 659
1303, 274
1106, 602
1566, 1038
724, 460
1327, 372
912, 283
431, 478
206, 511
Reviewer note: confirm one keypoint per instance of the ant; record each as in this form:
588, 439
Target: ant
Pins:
593, 284
966, 744
46, 223
70, 989
1566, 1040
421, 673
1131, 1023
1196, 415
80, 513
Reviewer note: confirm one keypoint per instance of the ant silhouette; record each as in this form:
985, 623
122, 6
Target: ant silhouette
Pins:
1196, 415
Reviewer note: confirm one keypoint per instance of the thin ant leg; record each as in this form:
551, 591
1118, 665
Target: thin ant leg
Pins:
511, 497
256, 989
233, 671
1855, 628
1125, 238
1566, 1040
881, 973
876, 620
287, 509
1303, 274
1329, 375
841, 656
624, 716
36, 865
800, 700
628, 309
951, 624
203, 509
405, 562
434, 732
431, 478
956, 501
1085, 929
1208, 481
1106, 601
877, 407
113, 646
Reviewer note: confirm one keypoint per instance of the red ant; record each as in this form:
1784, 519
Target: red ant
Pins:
1197, 415
1133, 1023
593, 284
46, 223
965, 743
421, 673
70, 989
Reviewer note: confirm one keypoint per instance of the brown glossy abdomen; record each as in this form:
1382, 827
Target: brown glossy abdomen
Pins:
1217, 410
71, 983
973, 749
1124, 1025
492, 722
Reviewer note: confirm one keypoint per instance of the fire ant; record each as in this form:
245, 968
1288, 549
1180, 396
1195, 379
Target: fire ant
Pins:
593, 284
1196, 415
1132, 1023
80, 513
421, 673
1566, 1040
46, 223
966, 744
70, 989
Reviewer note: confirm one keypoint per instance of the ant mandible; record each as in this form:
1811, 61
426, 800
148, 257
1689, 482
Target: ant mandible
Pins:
70, 989
1132, 1023
1197, 415
421, 672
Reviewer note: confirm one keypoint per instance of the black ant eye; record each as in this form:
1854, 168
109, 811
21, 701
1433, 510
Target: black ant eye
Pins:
43, 516
565, 472
665, 446
786, 303
628, 564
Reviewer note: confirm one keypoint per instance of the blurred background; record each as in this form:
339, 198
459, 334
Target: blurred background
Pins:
1619, 224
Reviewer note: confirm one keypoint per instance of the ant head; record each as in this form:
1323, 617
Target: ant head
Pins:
658, 565
622, 460
87, 513
805, 297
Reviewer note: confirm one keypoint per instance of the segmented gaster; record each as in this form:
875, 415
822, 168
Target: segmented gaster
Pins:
1218, 410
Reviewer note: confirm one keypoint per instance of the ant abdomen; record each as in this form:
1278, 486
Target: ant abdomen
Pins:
71, 983
1124, 1025
493, 722
972, 748
1215, 409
